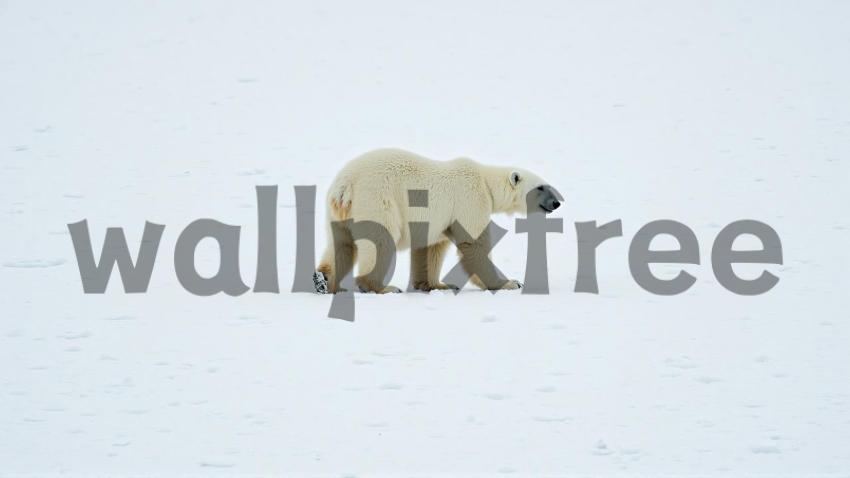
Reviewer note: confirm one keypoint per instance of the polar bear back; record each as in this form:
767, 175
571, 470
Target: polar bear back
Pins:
375, 185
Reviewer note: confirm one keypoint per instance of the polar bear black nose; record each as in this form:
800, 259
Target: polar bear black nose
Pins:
555, 204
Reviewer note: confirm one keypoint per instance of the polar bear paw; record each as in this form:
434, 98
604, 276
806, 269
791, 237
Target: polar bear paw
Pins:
428, 286
320, 283
366, 284
512, 285
390, 289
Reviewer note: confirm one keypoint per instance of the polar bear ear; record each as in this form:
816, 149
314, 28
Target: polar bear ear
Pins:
515, 179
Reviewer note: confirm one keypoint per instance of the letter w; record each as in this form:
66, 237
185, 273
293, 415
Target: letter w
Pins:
95, 277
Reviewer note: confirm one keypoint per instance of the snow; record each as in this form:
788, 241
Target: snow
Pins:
701, 112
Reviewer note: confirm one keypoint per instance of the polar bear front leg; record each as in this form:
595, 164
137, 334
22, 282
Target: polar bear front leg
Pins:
436, 254
337, 262
425, 267
476, 262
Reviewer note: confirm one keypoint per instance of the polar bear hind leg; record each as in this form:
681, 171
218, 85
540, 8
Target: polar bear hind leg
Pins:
374, 260
336, 263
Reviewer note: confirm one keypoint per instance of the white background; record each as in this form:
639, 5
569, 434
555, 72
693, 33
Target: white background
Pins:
703, 112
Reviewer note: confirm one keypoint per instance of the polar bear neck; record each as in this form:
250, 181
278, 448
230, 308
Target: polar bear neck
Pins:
504, 196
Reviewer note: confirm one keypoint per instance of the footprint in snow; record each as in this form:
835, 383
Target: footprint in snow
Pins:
75, 335
683, 362
601, 448
215, 464
552, 419
34, 263
765, 450
376, 424
120, 317
251, 172
495, 396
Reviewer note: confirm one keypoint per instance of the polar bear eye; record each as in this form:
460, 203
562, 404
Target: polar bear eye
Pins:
515, 178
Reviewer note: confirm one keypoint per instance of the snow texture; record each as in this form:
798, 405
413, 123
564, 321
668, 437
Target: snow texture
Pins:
702, 112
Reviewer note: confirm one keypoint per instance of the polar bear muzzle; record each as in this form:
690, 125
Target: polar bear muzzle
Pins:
543, 198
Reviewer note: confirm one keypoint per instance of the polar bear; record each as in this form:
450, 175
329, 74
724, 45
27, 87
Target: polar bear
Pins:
370, 209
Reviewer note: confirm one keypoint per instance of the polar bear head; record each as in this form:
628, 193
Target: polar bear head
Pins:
522, 192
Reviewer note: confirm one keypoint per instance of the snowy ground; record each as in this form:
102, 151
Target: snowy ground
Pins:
121, 112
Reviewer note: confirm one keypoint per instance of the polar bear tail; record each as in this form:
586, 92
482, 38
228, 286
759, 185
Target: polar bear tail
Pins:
339, 200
